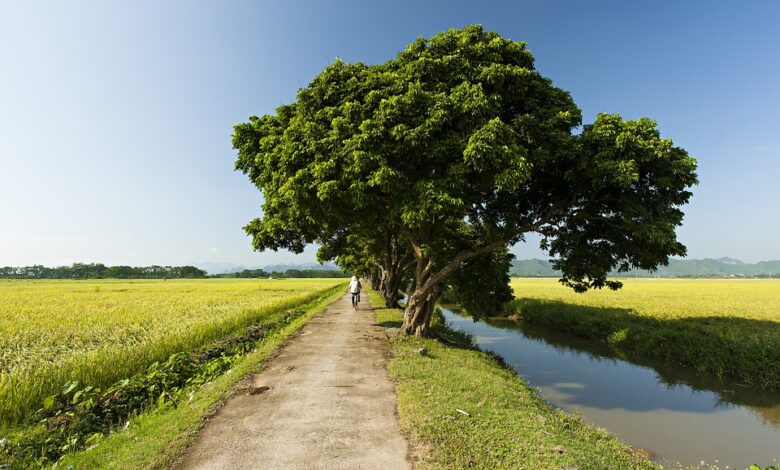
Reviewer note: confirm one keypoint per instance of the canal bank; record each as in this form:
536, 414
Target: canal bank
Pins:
461, 408
680, 416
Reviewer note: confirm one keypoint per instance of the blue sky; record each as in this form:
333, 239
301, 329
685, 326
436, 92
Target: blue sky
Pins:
115, 117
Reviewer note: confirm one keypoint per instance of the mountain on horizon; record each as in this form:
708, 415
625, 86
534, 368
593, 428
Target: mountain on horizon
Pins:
534, 267
222, 268
302, 266
707, 267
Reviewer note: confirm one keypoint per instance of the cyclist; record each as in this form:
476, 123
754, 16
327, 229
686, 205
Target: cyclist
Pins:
354, 288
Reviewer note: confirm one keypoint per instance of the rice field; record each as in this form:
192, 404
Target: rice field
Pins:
757, 299
729, 327
97, 332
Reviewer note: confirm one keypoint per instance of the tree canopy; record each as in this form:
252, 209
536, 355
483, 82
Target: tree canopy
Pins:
461, 147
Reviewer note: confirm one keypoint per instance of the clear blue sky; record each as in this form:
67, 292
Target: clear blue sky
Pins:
115, 117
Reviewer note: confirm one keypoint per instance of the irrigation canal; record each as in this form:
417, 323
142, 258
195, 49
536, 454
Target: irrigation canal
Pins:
679, 416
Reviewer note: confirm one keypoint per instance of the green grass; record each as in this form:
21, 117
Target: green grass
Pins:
101, 331
723, 327
507, 426
154, 440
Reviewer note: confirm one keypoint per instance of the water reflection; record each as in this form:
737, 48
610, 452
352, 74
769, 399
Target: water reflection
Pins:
669, 377
676, 413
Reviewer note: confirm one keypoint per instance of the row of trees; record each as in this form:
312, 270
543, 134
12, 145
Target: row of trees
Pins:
421, 171
290, 273
99, 271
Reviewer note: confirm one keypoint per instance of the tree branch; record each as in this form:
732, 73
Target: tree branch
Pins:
450, 267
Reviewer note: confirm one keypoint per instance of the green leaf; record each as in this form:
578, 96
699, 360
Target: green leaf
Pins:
69, 387
48, 402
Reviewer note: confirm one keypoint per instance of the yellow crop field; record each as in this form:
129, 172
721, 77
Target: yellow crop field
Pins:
101, 331
669, 298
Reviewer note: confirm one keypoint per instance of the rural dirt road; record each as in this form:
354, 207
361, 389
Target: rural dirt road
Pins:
330, 404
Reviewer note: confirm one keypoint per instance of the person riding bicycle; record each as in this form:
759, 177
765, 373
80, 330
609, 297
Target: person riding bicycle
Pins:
354, 288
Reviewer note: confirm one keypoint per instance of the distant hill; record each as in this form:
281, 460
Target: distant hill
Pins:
302, 267
708, 267
533, 268
222, 268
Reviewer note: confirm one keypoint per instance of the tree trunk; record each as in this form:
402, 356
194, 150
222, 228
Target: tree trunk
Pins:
416, 319
375, 282
391, 281
426, 287
392, 271
421, 302
418, 313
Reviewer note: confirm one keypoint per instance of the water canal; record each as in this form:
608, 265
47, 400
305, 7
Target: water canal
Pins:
681, 417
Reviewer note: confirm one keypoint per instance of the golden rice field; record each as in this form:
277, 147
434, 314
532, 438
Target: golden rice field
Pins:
52, 331
757, 299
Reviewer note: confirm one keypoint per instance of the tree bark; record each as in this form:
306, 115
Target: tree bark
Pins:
390, 284
392, 270
418, 314
375, 282
427, 283
419, 305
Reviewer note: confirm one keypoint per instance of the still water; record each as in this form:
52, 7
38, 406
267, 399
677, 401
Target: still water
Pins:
678, 415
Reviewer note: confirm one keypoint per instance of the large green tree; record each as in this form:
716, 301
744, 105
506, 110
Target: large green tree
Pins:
466, 148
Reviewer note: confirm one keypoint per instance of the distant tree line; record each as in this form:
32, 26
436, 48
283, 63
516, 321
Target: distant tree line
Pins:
99, 271
290, 273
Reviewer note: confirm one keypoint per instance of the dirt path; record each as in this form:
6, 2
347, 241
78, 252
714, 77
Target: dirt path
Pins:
330, 404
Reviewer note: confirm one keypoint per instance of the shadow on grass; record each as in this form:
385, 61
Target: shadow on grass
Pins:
393, 318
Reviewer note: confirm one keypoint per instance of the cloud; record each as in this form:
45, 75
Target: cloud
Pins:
213, 250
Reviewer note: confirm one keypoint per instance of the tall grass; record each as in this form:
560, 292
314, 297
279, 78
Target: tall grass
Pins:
98, 332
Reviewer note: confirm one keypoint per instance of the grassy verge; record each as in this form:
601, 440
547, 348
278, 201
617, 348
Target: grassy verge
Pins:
155, 438
463, 408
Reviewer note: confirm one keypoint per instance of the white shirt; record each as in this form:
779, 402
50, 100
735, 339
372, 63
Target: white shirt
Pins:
354, 286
